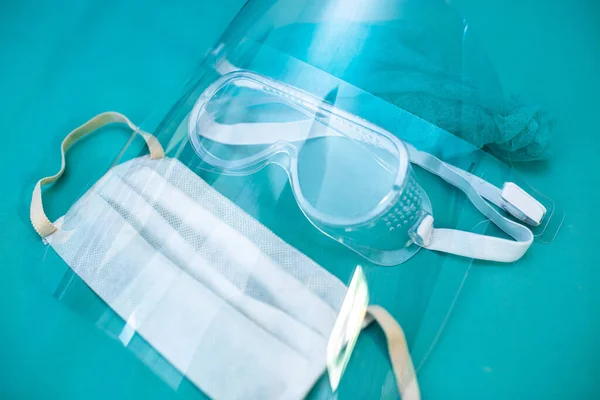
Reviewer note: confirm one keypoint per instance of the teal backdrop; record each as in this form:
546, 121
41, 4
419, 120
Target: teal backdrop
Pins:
524, 331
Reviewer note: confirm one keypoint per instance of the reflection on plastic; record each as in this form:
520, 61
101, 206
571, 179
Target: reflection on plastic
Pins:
347, 327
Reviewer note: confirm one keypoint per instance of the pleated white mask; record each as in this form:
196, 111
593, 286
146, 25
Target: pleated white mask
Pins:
214, 291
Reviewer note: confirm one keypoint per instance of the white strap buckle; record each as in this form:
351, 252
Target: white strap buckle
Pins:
422, 234
521, 204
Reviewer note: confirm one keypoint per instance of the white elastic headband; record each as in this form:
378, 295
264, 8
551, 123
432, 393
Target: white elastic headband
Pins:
510, 198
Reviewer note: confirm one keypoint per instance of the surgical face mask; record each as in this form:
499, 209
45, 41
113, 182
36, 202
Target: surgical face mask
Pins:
352, 179
220, 296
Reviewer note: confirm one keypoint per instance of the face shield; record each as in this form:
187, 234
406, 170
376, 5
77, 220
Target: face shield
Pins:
362, 133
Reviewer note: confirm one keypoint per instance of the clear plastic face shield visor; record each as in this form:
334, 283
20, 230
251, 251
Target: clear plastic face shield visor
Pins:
305, 115
336, 116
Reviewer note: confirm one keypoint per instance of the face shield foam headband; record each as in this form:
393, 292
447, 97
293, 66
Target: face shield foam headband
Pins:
352, 179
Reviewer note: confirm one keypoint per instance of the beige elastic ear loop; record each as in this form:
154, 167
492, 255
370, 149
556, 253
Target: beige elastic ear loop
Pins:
402, 365
39, 220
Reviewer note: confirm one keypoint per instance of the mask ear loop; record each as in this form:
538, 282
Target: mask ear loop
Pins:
355, 315
39, 220
402, 365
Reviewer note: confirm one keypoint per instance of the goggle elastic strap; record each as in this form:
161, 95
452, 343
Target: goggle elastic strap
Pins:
472, 245
511, 198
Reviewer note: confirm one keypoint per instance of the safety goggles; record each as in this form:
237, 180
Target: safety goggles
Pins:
352, 179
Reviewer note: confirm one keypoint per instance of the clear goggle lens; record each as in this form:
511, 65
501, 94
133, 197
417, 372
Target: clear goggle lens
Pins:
344, 172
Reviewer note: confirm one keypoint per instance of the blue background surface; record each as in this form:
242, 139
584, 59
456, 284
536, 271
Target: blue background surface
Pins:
524, 331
